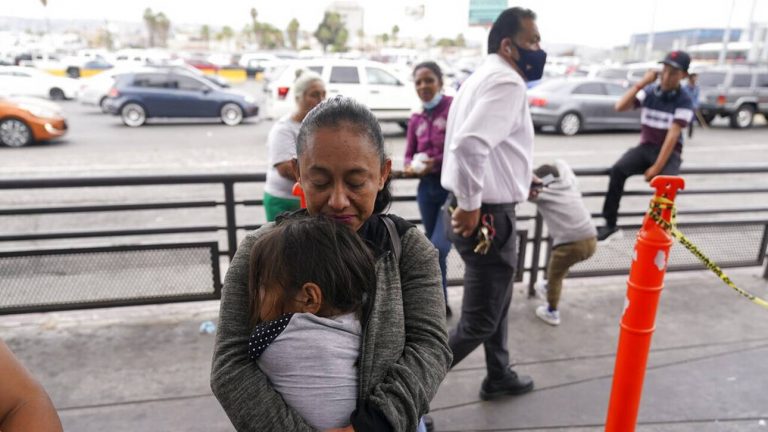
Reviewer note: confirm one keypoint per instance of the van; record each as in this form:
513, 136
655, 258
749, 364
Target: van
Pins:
390, 97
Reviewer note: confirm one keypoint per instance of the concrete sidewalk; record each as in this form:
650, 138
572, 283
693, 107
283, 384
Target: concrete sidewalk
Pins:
147, 368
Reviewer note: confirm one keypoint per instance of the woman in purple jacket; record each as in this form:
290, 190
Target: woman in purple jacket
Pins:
424, 156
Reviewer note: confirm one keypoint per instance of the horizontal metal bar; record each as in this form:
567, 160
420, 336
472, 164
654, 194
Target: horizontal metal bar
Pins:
261, 177
111, 233
108, 303
733, 169
116, 248
682, 192
130, 181
106, 208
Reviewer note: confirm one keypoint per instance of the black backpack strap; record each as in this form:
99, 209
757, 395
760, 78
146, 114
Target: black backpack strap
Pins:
394, 237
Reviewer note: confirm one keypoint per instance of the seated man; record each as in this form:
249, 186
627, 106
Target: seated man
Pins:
666, 111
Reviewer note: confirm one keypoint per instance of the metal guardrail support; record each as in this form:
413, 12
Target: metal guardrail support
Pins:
229, 204
537, 235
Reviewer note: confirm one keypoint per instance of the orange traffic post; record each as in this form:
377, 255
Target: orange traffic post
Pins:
646, 279
299, 192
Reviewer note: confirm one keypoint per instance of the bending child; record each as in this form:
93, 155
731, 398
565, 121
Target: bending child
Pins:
569, 225
309, 278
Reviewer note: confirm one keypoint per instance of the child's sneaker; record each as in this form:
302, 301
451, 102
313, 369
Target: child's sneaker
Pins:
549, 317
541, 289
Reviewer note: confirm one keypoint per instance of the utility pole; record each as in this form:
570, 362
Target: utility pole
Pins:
649, 41
726, 37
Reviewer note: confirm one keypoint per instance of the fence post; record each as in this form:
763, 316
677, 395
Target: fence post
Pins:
537, 234
229, 205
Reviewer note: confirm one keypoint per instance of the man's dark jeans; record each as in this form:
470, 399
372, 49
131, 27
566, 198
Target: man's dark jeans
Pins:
635, 161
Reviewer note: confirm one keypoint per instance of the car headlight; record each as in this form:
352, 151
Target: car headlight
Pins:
39, 111
250, 99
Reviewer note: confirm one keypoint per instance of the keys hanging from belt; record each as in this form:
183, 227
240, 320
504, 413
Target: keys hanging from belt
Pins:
485, 234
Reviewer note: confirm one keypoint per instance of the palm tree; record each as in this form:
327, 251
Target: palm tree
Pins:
151, 22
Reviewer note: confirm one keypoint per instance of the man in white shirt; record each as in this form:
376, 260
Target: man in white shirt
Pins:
487, 168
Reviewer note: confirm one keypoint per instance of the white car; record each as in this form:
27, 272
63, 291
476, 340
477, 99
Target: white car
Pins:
376, 85
26, 81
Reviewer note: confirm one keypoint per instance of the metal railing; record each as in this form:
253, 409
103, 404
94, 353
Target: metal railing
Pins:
536, 239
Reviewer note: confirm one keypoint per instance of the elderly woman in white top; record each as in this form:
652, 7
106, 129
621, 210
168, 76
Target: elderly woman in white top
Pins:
308, 90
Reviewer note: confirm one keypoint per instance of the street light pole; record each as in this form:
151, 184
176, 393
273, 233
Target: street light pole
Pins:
726, 37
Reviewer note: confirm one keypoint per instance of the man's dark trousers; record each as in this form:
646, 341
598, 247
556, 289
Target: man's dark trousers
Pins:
488, 283
635, 161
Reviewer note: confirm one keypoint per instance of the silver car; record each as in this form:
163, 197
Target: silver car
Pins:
735, 92
574, 105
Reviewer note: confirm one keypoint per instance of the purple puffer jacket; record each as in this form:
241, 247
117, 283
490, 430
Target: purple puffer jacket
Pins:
426, 133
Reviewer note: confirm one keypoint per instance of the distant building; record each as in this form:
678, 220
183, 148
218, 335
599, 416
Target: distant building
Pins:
677, 39
353, 16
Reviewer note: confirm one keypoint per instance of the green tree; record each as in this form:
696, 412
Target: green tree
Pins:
446, 43
151, 22
293, 33
429, 40
460, 41
225, 34
385, 38
205, 33
332, 32
271, 36
395, 33
162, 30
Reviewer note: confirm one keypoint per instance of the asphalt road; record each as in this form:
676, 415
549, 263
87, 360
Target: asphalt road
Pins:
100, 145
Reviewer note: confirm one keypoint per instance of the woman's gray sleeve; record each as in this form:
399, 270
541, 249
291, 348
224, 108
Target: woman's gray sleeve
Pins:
241, 388
412, 382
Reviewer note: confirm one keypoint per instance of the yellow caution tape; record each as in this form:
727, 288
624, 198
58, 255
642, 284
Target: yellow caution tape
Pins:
661, 203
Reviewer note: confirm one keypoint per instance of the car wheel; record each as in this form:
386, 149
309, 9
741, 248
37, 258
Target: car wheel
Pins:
743, 117
103, 105
569, 124
15, 133
57, 94
231, 114
133, 115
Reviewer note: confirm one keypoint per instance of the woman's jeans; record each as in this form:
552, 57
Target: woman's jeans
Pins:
431, 197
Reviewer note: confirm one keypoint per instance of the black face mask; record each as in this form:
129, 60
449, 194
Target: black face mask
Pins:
531, 63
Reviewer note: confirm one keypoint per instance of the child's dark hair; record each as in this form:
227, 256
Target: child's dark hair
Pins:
301, 249
432, 66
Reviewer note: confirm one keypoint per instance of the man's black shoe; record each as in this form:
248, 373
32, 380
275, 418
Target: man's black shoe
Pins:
511, 384
605, 233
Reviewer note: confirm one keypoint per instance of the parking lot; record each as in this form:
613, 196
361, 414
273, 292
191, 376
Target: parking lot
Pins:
98, 144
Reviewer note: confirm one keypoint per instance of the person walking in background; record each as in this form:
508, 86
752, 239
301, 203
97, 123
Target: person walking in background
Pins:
487, 168
308, 90
555, 191
666, 111
424, 157
693, 89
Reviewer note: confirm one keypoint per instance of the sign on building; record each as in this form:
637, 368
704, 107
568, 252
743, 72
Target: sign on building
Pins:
484, 12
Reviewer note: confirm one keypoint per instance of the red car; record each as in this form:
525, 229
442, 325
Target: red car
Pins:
203, 65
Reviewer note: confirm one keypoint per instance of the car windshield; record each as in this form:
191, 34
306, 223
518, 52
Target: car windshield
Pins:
711, 79
613, 73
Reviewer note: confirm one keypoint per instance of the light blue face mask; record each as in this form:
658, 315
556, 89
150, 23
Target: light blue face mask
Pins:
433, 103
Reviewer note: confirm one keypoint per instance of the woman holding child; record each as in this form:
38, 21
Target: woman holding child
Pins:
404, 352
